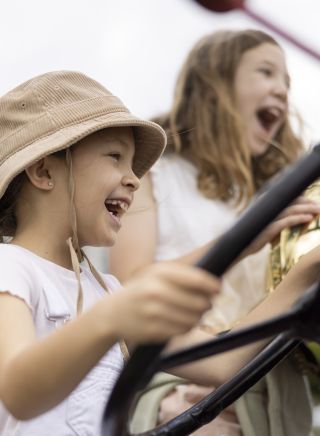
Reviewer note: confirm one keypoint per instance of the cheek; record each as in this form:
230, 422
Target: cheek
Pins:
249, 105
249, 93
244, 104
242, 98
89, 198
87, 195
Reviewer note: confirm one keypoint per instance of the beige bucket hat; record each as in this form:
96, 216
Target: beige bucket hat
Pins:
54, 111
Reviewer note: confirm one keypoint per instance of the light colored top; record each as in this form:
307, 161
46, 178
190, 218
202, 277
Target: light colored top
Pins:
187, 220
50, 291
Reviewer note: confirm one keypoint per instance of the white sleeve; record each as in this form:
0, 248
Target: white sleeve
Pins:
18, 278
160, 180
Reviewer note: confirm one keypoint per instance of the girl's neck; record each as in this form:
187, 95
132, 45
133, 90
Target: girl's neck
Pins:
50, 248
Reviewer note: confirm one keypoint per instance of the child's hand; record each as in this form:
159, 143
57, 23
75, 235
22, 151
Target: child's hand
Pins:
162, 301
301, 211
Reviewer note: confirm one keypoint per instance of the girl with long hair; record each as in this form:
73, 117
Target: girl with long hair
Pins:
229, 132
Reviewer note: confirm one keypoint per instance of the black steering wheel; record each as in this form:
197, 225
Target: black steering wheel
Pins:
299, 323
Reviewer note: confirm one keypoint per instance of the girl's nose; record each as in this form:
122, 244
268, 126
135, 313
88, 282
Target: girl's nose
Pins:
280, 89
131, 181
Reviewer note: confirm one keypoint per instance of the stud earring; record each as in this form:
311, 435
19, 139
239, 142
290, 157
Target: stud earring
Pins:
50, 184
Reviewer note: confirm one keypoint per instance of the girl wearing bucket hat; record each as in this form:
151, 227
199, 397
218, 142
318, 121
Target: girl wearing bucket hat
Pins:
71, 156
70, 160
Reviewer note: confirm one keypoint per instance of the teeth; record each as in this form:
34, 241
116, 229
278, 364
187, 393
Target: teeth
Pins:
122, 204
274, 111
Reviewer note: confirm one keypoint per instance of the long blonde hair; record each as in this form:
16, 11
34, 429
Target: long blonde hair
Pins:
204, 126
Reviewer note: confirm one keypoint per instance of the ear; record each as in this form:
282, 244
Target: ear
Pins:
40, 174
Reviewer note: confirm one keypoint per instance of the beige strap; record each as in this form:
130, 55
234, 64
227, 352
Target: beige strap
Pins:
76, 269
73, 243
77, 255
73, 215
97, 276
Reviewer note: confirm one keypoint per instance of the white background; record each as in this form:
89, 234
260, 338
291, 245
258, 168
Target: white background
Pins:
136, 47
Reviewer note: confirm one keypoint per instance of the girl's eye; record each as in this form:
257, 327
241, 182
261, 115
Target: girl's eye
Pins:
266, 71
115, 156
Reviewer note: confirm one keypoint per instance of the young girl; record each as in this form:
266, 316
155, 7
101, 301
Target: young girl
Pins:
59, 356
228, 132
71, 156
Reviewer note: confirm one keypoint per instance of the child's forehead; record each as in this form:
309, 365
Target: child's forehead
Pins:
119, 136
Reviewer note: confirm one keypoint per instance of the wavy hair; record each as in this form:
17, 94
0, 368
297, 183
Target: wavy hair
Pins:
204, 126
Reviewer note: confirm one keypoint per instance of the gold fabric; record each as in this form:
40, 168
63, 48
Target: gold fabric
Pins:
293, 243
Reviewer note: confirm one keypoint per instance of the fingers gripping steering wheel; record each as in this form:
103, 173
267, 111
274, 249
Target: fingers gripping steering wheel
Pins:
300, 322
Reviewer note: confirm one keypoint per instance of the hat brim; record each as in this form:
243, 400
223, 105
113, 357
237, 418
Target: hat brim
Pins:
150, 141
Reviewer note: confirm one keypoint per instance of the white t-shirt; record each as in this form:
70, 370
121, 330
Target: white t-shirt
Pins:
50, 291
187, 220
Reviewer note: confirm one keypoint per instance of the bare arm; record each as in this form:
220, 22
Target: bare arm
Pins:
168, 298
35, 375
218, 369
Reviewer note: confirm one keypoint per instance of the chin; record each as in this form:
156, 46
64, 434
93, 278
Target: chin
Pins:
102, 241
110, 243
105, 237
259, 148
107, 241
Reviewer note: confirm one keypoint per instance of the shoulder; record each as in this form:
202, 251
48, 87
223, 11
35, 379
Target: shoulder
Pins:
15, 256
172, 173
18, 276
172, 163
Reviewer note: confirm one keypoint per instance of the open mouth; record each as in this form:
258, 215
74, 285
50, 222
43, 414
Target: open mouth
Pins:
268, 117
116, 208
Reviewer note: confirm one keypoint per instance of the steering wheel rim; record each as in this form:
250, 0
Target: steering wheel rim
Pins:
209, 407
145, 360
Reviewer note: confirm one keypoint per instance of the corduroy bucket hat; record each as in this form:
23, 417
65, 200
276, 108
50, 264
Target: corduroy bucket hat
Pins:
54, 111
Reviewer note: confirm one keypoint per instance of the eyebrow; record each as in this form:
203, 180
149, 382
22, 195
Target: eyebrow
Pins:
272, 64
117, 141
120, 142
124, 143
